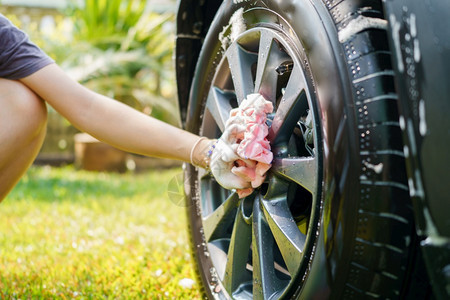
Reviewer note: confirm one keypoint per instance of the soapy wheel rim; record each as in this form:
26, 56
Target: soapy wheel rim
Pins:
259, 246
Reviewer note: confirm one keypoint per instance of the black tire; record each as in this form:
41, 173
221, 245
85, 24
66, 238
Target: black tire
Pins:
338, 173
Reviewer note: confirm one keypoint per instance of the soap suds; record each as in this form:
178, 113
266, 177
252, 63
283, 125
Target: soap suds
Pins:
376, 168
413, 30
234, 28
417, 53
396, 37
422, 120
359, 24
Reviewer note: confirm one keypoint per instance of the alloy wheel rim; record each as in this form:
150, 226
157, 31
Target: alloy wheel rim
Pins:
260, 246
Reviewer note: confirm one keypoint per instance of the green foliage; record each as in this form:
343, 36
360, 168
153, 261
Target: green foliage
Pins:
70, 234
104, 22
125, 53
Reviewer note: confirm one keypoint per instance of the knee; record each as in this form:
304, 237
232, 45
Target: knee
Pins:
25, 106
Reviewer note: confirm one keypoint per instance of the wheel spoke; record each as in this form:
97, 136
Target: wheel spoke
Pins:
301, 170
216, 224
218, 104
288, 237
288, 111
235, 270
240, 62
218, 252
264, 279
269, 58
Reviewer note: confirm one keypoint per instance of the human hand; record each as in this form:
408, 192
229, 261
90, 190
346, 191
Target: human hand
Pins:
242, 155
221, 158
223, 164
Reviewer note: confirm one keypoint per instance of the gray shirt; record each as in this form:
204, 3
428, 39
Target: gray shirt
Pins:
19, 57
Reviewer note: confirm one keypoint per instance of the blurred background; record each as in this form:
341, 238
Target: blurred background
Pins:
119, 48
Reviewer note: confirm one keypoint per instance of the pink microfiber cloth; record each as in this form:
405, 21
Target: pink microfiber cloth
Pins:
251, 144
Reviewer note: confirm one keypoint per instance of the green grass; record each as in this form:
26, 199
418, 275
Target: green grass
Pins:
68, 234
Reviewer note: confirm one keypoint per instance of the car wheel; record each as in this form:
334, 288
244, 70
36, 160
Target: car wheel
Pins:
333, 218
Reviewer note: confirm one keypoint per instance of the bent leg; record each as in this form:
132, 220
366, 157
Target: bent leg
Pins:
23, 119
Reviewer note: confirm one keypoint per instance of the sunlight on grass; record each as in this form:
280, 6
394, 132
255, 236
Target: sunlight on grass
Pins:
67, 234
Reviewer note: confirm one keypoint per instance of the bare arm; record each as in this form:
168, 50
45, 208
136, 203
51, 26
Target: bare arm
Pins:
111, 121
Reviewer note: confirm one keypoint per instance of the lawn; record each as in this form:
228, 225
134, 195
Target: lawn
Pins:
70, 234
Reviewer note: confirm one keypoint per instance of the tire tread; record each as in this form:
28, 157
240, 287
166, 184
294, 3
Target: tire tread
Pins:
383, 243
